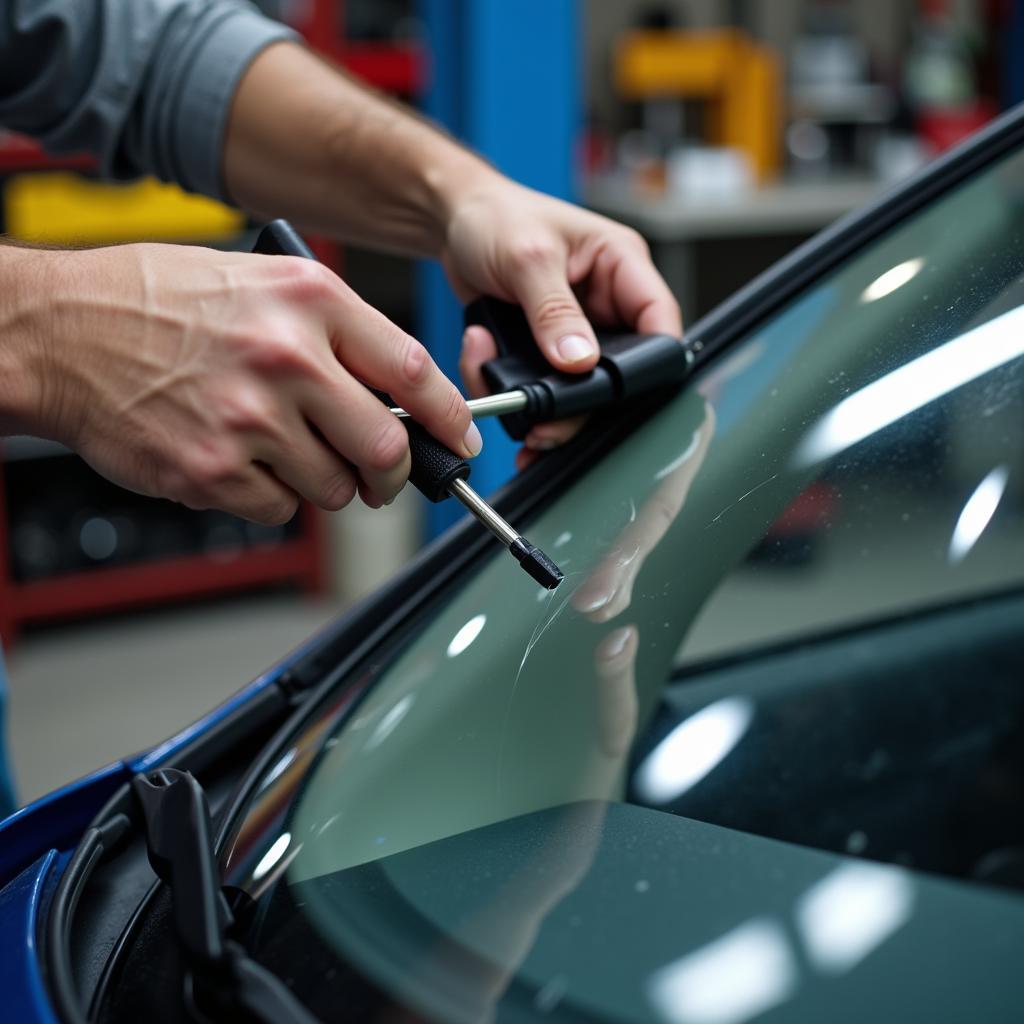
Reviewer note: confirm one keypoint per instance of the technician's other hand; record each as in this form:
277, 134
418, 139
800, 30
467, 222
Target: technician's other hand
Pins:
229, 380
565, 266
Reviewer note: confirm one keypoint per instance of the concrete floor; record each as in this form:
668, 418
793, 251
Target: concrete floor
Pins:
84, 695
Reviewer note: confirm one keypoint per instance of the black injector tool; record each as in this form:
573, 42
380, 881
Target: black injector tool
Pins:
436, 470
527, 390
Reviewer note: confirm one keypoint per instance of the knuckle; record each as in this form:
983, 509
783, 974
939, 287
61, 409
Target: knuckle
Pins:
387, 449
338, 491
455, 412
532, 252
207, 468
308, 279
415, 362
633, 238
286, 347
555, 308
247, 409
281, 349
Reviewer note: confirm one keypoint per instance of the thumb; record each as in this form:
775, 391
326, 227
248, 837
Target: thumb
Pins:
562, 331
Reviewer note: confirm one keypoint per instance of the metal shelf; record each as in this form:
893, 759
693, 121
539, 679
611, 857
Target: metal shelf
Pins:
791, 206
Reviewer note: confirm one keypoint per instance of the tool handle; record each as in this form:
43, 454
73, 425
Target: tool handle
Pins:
434, 466
279, 238
630, 365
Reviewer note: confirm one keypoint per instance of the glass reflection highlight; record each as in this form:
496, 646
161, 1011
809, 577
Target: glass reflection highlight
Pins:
466, 635
914, 385
728, 981
387, 725
977, 513
279, 769
272, 856
693, 749
852, 911
892, 279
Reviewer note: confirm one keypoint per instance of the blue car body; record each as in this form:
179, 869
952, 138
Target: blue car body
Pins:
35, 843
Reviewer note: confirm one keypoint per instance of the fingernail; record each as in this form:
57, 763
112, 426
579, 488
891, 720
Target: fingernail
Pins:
574, 347
473, 441
391, 500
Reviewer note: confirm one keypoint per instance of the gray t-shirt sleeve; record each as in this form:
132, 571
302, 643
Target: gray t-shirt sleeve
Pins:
145, 85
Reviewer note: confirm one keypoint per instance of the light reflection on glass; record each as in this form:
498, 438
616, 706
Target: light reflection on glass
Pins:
892, 279
978, 512
387, 725
914, 385
466, 635
693, 749
852, 911
272, 856
684, 456
731, 980
278, 770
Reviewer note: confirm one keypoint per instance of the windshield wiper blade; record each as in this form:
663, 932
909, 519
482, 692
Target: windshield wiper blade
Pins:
222, 981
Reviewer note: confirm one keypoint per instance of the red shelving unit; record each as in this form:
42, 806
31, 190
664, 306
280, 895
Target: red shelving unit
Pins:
302, 560
392, 68
20, 154
145, 584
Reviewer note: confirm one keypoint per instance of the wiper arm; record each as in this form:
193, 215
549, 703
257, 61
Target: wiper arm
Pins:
222, 981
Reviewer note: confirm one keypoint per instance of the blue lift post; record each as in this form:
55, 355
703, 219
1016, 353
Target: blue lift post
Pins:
505, 79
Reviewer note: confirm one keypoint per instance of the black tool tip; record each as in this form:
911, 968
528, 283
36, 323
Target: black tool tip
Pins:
536, 563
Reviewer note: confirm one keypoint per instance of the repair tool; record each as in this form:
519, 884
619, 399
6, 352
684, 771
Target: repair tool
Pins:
436, 472
528, 390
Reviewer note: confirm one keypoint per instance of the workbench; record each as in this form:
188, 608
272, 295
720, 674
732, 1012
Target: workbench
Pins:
673, 224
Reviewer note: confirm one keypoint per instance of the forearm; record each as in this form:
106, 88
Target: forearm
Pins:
306, 142
24, 286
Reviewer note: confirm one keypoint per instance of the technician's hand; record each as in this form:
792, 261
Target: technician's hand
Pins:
230, 381
565, 266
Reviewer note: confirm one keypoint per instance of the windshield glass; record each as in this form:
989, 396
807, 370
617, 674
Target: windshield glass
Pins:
720, 768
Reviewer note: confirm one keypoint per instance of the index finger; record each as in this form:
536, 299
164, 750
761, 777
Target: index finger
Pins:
384, 356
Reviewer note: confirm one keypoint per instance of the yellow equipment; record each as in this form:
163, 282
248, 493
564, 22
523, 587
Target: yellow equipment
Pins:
62, 207
740, 80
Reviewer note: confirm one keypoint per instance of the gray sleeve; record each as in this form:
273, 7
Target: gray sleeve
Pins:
145, 85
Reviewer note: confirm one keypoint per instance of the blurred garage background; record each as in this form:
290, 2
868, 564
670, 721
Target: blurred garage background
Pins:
727, 131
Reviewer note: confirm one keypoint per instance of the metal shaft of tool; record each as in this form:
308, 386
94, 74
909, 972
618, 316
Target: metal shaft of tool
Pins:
483, 512
489, 405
